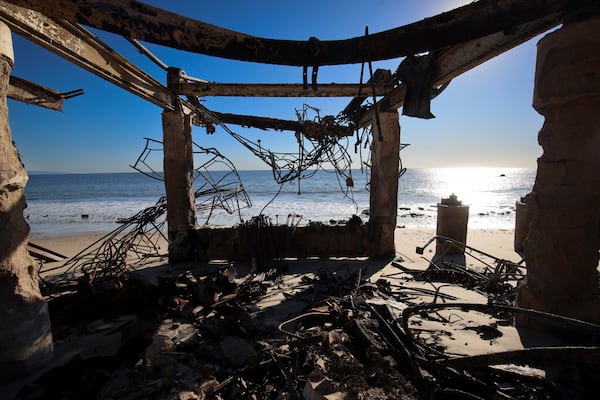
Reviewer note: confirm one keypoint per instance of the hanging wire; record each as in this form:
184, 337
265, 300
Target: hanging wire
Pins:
272, 199
319, 144
217, 183
218, 186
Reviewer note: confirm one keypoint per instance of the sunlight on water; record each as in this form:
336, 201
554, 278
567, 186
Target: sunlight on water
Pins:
490, 193
476, 186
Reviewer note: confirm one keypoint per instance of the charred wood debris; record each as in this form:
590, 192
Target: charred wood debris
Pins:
335, 329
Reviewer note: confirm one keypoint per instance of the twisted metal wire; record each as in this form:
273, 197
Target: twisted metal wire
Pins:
140, 235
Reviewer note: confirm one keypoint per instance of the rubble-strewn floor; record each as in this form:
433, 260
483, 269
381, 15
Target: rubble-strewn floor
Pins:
316, 329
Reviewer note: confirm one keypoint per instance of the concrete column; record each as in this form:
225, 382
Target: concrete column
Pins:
385, 158
179, 184
522, 219
452, 222
564, 232
25, 334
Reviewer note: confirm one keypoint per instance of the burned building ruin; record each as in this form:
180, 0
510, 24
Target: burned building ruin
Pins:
561, 252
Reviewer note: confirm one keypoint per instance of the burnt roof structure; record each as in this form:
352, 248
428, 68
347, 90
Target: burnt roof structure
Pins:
457, 40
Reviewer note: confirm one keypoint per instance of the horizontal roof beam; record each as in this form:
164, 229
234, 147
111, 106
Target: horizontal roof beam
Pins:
264, 123
279, 89
310, 129
141, 21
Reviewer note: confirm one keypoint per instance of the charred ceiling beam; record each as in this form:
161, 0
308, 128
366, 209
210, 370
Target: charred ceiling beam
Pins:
80, 47
457, 60
309, 128
32, 93
263, 123
278, 89
140, 21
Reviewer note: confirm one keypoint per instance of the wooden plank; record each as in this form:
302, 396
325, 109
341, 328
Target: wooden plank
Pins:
44, 254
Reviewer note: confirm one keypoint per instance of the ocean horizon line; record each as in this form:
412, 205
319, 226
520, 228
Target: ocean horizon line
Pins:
468, 167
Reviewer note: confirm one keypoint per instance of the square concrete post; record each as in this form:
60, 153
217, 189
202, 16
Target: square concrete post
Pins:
564, 232
25, 334
385, 158
178, 166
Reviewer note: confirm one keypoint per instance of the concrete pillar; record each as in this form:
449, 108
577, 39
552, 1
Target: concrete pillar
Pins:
179, 184
385, 158
522, 219
452, 223
25, 334
564, 232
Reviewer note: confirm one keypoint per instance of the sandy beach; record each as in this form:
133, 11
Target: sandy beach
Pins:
497, 242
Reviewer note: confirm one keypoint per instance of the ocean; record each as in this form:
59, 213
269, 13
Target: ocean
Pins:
66, 204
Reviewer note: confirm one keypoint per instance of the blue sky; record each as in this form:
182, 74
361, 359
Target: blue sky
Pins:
484, 118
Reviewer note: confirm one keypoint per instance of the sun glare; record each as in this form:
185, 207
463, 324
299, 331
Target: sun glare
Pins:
470, 184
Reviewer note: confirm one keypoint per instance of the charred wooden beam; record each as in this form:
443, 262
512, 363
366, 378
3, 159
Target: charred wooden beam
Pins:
457, 60
264, 123
32, 93
311, 129
77, 45
44, 254
278, 89
80, 47
137, 20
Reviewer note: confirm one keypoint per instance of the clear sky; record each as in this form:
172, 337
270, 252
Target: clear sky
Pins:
484, 118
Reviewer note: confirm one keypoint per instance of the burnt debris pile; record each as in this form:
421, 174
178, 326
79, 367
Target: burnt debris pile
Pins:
336, 329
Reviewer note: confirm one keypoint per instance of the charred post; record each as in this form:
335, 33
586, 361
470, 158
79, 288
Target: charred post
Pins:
178, 166
385, 153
